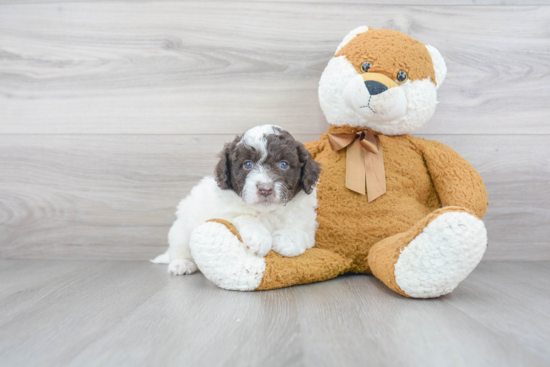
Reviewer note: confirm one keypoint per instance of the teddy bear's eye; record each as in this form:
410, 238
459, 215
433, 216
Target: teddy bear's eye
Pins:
401, 77
366, 66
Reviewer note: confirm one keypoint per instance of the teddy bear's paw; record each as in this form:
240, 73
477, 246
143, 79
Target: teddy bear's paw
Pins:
223, 258
182, 266
443, 255
289, 242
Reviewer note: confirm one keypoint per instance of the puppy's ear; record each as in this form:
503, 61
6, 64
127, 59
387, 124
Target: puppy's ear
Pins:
222, 173
310, 169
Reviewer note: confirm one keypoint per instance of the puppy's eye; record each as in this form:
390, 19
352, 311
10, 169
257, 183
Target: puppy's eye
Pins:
401, 77
248, 165
283, 164
366, 66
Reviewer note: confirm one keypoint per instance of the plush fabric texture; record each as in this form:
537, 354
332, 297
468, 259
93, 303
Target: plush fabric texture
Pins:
424, 235
223, 259
421, 177
389, 52
385, 253
398, 111
351, 35
314, 265
440, 68
442, 256
230, 226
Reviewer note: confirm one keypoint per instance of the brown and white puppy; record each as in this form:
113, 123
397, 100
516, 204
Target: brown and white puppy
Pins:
266, 167
265, 185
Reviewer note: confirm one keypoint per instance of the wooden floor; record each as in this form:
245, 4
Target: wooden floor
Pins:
107, 313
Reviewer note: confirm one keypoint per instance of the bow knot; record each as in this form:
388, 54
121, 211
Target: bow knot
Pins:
364, 162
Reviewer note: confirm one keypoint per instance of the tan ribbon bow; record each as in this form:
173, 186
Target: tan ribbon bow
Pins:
364, 162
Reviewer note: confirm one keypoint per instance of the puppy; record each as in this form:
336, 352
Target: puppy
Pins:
265, 185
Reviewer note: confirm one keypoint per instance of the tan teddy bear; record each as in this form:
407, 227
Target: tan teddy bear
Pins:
400, 207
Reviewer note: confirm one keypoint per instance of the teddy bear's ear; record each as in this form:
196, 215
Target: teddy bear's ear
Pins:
351, 35
440, 67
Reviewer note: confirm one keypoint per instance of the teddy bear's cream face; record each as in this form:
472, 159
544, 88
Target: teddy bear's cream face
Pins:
381, 79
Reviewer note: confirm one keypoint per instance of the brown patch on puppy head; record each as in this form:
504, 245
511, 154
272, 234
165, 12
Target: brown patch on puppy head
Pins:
222, 172
389, 52
303, 171
310, 169
229, 172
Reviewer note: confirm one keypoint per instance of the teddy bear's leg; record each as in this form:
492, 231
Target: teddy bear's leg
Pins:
218, 250
433, 257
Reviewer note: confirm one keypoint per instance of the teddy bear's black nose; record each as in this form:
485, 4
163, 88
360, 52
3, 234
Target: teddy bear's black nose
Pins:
375, 87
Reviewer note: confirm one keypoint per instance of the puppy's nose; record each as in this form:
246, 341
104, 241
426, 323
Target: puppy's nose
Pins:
265, 189
375, 87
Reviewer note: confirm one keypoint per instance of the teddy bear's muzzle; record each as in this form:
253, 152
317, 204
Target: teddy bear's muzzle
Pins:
375, 97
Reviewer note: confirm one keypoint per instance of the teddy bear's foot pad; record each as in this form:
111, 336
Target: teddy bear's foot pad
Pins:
223, 259
440, 257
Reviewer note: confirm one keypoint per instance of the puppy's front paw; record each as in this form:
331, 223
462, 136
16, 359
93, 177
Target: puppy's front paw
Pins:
181, 267
289, 242
257, 240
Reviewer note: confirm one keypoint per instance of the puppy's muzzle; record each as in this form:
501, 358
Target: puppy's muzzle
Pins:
265, 189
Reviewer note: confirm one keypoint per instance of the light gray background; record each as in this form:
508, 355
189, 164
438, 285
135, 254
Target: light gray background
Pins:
111, 111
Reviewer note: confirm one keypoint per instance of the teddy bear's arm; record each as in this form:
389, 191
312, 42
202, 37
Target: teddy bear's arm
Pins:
456, 181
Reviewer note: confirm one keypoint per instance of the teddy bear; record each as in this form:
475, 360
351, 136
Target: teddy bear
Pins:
405, 209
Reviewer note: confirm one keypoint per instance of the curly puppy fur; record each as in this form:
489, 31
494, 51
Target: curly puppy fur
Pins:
230, 173
264, 183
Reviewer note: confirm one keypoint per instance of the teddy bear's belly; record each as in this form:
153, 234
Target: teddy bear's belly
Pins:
349, 225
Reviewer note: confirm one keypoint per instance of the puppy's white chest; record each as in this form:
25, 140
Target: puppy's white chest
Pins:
273, 221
